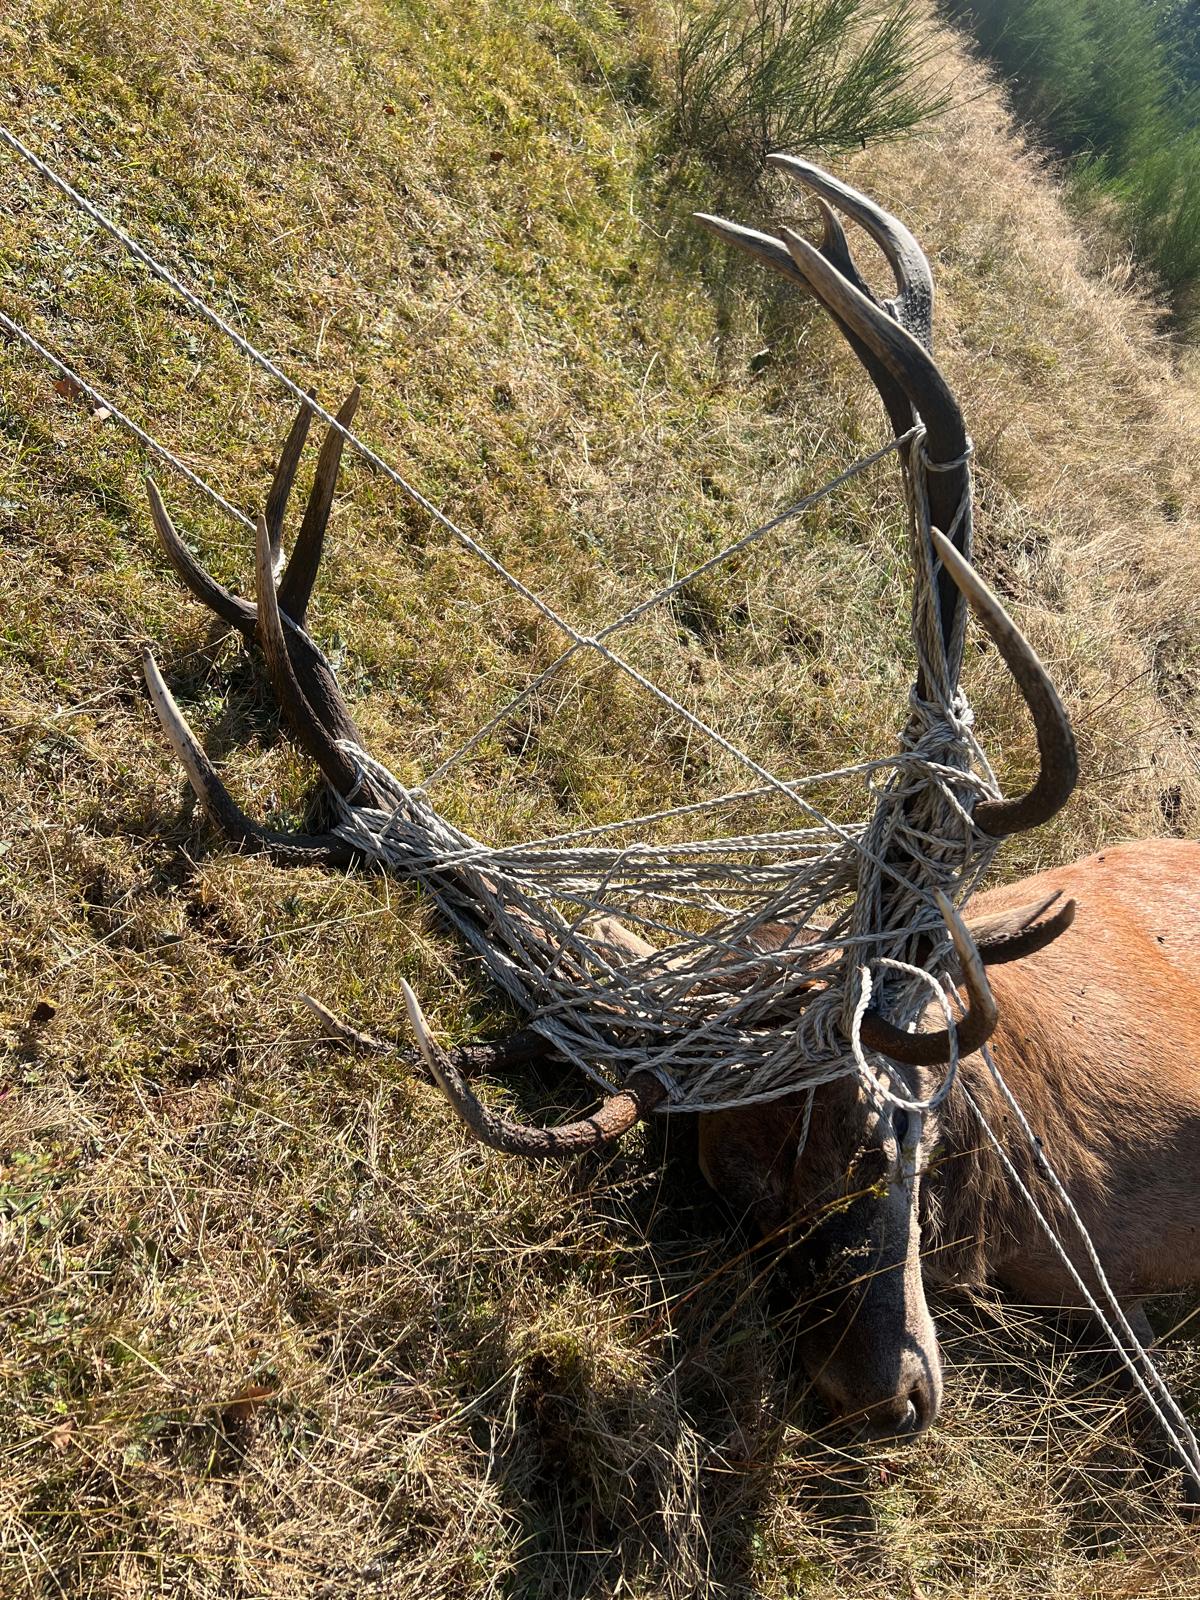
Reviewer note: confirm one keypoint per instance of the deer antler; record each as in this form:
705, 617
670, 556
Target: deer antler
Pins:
1057, 763
892, 340
320, 720
976, 1027
641, 1094
301, 676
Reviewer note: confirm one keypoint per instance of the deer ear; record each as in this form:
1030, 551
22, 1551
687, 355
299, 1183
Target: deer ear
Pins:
747, 1156
1010, 935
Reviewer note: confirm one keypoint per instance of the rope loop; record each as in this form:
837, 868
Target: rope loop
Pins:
874, 1082
929, 465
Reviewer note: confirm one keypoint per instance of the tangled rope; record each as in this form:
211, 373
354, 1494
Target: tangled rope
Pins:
714, 1004
709, 1004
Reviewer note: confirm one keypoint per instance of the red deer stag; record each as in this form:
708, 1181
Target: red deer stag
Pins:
1095, 1022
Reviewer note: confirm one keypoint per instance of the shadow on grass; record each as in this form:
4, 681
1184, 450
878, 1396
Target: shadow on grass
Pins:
666, 1486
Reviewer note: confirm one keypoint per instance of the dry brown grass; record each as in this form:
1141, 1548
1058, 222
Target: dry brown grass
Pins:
271, 1329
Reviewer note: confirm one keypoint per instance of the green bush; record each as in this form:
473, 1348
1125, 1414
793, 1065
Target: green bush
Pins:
1042, 47
809, 75
1179, 28
1160, 197
1115, 86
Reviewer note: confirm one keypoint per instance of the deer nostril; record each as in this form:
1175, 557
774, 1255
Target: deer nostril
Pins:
896, 1420
894, 1423
904, 1421
904, 1417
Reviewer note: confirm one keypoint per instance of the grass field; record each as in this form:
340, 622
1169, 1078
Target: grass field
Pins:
271, 1326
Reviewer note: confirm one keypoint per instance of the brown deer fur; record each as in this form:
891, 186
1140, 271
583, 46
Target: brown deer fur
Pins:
1099, 1040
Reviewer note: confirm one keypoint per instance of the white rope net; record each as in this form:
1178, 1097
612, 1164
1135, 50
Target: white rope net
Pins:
711, 1007
723, 1002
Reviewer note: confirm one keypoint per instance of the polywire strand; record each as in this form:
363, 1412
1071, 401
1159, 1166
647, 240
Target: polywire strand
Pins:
627, 618
144, 438
1046, 1167
1186, 1451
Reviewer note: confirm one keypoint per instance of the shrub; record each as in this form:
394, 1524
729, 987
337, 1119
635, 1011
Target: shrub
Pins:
1112, 84
1160, 197
814, 75
1043, 48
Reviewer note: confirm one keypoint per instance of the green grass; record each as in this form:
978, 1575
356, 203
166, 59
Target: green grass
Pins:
271, 1327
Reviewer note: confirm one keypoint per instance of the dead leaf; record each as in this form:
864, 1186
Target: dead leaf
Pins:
68, 388
61, 1436
248, 1399
101, 414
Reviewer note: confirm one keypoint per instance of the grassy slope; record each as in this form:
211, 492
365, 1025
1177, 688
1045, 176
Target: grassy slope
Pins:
273, 1329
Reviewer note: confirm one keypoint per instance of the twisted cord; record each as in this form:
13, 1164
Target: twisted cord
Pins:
1134, 1356
145, 439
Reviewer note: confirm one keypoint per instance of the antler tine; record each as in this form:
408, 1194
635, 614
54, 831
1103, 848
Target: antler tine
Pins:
975, 1028
296, 585
299, 849
835, 247
615, 1117
308, 726
767, 249
238, 613
905, 358
774, 253
1058, 761
1012, 936
913, 306
281, 483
